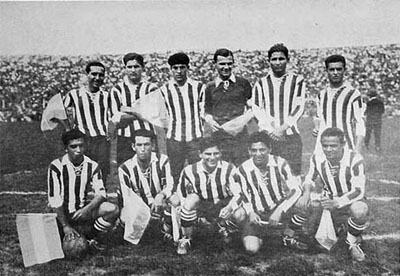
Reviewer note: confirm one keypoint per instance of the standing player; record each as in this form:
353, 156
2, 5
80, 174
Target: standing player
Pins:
225, 99
208, 186
89, 106
271, 190
282, 95
340, 105
184, 99
149, 176
124, 94
70, 179
341, 172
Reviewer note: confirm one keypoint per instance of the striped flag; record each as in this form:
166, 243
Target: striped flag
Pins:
39, 238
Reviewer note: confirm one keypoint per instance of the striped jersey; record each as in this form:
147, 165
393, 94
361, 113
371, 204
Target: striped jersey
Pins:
213, 186
69, 185
185, 106
90, 110
342, 108
125, 94
282, 98
277, 187
345, 181
149, 183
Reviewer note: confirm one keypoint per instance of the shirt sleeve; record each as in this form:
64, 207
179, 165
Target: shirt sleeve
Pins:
55, 189
246, 190
208, 103
257, 95
202, 100
293, 184
97, 183
170, 186
247, 89
115, 101
299, 103
359, 116
357, 181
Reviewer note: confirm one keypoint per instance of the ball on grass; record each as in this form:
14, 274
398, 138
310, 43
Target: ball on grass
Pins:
75, 247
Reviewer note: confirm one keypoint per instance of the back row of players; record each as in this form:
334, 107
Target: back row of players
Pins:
262, 190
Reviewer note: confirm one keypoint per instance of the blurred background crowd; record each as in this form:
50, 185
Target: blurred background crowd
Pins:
28, 82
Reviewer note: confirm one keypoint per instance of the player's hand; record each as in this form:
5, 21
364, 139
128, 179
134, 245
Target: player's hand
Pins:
225, 212
275, 217
254, 218
214, 125
315, 132
303, 201
329, 204
70, 233
158, 203
82, 213
278, 134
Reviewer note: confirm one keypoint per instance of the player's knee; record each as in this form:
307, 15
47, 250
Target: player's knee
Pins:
109, 210
239, 215
359, 210
252, 244
191, 202
174, 200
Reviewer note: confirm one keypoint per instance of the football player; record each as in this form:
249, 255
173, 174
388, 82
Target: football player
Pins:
70, 179
341, 172
208, 186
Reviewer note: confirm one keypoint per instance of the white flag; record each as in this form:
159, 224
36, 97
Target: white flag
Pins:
54, 110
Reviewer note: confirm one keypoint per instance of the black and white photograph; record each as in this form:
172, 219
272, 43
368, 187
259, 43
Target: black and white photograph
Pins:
200, 137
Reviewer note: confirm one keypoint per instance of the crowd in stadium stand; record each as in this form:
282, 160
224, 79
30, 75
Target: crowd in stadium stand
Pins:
28, 82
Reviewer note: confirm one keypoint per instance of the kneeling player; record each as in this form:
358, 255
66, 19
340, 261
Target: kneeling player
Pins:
207, 186
271, 190
148, 174
70, 178
341, 172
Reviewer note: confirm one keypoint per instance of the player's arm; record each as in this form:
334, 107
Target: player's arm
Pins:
318, 116
237, 197
359, 121
100, 196
208, 107
298, 107
357, 181
293, 184
168, 188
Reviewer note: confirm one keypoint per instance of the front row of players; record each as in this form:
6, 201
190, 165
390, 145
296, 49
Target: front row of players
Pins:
260, 193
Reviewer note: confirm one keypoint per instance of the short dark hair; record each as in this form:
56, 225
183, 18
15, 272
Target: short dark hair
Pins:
333, 132
133, 56
223, 52
208, 142
143, 133
94, 63
178, 58
72, 135
262, 137
280, 47
335, 58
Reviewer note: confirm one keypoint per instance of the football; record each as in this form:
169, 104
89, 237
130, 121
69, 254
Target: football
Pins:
76, 247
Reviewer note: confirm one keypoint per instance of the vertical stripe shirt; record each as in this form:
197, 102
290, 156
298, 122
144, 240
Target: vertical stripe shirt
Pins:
185, 106
342, 108
126, 93
69, 185
278, 187
146, 184
214, 186
90, 110
282, 98
345, 182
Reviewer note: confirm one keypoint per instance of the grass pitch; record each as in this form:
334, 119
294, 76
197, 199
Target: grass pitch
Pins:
209, 255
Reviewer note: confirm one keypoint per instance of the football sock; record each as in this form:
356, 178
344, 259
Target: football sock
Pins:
102, 225
188, 218
297, 221
355, 229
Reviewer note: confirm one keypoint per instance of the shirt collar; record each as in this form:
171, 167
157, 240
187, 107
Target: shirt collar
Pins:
218, 80
173, 82
153, 158
271, 162
271, 74
219, 165
65, 160
345, 161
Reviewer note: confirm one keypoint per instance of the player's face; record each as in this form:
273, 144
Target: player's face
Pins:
224, 66
75, 150
95, 78
259, 153
179, 73
278, 62
335, 73
143, 147
332, 147
210, 158
134, 71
